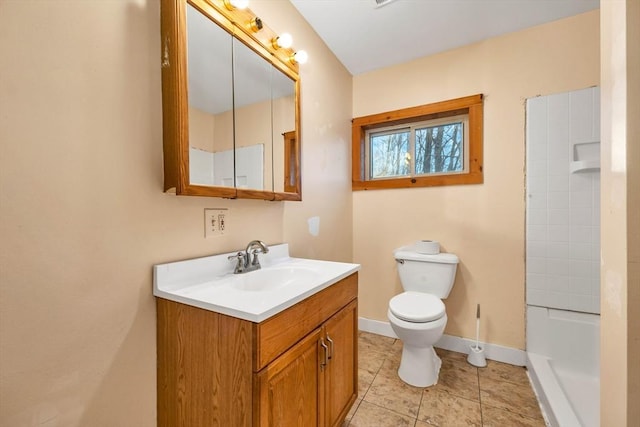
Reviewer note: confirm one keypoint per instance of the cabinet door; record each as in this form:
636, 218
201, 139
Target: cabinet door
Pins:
341, 375
289, 387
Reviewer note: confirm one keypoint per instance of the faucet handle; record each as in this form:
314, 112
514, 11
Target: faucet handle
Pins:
240, 261
236, 256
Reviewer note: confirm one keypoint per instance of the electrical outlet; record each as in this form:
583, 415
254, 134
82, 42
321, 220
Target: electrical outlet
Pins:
221, 222
215, 222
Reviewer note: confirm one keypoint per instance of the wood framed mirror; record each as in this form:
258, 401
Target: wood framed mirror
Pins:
230, 104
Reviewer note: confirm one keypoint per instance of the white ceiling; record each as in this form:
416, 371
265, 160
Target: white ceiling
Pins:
365, 37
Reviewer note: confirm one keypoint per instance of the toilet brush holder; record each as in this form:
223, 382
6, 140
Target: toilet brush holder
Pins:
476, 356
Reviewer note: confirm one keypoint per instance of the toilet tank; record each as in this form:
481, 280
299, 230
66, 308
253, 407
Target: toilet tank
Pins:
432, 274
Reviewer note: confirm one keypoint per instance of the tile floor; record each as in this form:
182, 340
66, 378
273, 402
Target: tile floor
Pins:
499, 395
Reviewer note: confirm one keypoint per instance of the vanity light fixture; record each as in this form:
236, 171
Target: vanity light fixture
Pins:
236, 4
300, 57
255, 24
284, 40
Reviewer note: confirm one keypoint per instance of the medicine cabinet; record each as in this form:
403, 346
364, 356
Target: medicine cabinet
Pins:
230, 104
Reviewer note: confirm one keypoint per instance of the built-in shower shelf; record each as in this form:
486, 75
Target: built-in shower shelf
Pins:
586, 157
580, 166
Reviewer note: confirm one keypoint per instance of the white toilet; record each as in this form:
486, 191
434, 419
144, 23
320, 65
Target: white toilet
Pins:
417, 315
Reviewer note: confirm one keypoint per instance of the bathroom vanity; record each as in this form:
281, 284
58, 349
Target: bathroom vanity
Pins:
296, 365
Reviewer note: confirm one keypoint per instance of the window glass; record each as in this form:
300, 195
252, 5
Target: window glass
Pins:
422, 148
440, 149
389, 154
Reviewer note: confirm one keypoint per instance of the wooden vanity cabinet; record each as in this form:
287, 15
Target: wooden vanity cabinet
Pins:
341, 371
297, 368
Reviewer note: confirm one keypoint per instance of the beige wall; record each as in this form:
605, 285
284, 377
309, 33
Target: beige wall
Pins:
326, 112
82, 213
482, 224
223, 131
201, 129
620, 214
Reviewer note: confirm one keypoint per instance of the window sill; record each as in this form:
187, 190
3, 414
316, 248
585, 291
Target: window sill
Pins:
427, 181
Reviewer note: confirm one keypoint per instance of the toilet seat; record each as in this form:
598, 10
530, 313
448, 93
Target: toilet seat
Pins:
417, 307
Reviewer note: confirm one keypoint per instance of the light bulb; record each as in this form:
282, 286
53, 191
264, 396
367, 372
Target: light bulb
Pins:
284, 40
236, 4
301, 57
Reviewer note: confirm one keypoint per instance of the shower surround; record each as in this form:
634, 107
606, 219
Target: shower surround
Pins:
563, 254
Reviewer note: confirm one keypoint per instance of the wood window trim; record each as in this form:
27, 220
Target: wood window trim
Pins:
471, 105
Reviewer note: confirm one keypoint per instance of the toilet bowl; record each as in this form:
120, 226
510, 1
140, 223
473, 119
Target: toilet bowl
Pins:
418, 316
420, 365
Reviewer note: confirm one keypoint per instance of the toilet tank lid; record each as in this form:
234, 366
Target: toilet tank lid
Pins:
410, 253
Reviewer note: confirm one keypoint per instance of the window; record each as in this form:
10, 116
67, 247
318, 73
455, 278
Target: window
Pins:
423, 148
430, 145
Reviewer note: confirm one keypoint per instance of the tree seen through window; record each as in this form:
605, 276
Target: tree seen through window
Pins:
389, 154
439, 149
436, 149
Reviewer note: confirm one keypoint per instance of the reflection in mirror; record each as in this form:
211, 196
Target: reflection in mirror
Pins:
284, 126
209, 50
252, 109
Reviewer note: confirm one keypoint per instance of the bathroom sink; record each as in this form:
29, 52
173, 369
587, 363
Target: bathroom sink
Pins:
209, 283
271, 278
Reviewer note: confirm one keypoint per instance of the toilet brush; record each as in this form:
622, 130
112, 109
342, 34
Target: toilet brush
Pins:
476, 354
477, 326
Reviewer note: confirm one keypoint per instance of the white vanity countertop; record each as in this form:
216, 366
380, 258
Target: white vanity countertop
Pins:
209, 283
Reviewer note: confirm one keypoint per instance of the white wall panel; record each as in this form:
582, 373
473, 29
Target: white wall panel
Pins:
563, 208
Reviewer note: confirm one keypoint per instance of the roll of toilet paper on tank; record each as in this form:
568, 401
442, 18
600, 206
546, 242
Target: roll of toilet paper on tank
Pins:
428, 247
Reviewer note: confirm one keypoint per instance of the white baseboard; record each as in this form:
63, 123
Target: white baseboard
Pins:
495, 352
376, 327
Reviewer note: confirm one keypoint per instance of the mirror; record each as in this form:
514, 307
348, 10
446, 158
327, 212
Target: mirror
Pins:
230, 105
209, 59
283, 108
264, 105
252, 127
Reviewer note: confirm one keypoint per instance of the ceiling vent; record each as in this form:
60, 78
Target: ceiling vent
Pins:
380, 3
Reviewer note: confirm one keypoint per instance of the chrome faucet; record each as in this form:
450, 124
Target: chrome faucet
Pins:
244, 261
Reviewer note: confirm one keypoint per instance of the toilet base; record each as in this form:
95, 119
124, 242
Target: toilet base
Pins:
419, 366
